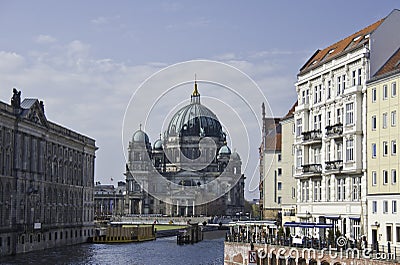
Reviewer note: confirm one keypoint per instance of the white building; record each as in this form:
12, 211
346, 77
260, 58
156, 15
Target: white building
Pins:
330, 121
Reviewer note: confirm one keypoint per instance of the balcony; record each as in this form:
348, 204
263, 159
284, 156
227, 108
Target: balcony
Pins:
334, 130
312, 169
334, 165
312, 137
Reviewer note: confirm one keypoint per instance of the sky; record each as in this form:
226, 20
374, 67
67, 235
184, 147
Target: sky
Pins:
86, 59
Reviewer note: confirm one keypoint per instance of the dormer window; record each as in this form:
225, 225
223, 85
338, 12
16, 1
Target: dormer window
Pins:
357, 38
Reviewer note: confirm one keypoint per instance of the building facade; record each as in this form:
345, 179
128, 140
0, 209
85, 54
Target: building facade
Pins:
289, 183
277, 185
382, 156
46, 180
109, 200
330, 122
189, 171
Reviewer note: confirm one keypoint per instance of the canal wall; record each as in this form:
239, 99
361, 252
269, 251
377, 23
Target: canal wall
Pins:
237, 253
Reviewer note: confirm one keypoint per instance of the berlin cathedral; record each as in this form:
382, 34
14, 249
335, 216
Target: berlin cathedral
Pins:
189, 171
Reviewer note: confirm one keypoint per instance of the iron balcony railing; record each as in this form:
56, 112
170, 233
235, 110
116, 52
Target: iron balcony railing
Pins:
314, 135
312, 168
334, 165
336, 129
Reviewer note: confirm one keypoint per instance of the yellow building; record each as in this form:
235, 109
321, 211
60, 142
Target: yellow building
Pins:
383, 193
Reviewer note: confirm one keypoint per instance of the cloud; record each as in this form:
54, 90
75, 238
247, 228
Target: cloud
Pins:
10, 61
45, 39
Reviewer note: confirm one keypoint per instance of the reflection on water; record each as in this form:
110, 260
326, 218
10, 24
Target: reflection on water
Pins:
159, 252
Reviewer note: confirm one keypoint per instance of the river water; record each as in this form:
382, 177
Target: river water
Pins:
159, 252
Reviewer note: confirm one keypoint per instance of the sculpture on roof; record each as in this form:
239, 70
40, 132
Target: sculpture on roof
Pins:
16, 98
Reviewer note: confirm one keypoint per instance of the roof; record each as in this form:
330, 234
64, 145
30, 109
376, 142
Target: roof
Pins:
341, 47
290, 112
392, 65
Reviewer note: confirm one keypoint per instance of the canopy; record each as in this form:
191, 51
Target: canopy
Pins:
307, 225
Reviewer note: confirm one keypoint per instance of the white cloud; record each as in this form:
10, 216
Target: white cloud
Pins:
45, 39
10, 61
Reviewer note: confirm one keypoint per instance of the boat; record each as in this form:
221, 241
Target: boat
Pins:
123, 232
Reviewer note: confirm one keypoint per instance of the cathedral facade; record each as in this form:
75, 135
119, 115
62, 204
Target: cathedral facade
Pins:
189, 171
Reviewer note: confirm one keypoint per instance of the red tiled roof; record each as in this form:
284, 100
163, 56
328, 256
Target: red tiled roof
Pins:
340, 47
391, 65
290, 112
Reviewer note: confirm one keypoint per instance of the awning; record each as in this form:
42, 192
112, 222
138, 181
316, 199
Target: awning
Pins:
306, 225
320, 225
355, 218
332, 217
291, 224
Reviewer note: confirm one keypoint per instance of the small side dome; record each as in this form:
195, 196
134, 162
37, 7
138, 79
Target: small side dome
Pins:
224, 150
158, 145
140, 136
235, 156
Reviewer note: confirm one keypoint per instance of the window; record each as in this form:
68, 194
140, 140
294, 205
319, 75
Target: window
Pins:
341, 189
373, 122
317, 156
374, 207
373, 150
279, 157
393, 118
350, 150
349, 113
328, 118
328, 190
385, 177
385, 92
303, 98
356, 188
359, 77
304, 191
279, 185
343, 82
299, 125
299, 158
338, 85
385, 207
394, 206
319, 93
317, 191
384, 120
279, 200
394, 148
385, 148
373, 178
374, 95
329, 90
328, 152
398, 234
353, 78
339, 148
394, 89
389, 233
339, 115
279, 171
394, 176
315, 94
